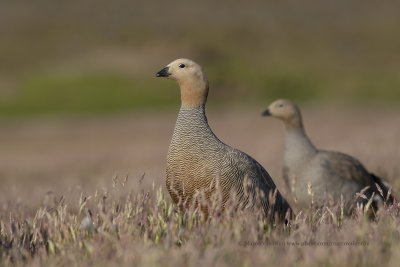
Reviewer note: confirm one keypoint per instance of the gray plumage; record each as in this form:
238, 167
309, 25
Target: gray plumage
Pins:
327, 172
198, 161
196, 156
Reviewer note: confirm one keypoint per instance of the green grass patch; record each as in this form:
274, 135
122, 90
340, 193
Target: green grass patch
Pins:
87, 93
233, 81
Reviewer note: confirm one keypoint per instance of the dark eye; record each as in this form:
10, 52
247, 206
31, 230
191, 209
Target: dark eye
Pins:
182, 66
280, 105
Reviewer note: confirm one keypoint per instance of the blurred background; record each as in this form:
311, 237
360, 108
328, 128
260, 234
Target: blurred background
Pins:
101, 56
79, 101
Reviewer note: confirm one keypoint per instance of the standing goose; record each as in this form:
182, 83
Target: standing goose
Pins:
319, 172
198, 161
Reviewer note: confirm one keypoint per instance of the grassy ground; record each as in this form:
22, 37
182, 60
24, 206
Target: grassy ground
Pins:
99, 56
112, 228
49, 166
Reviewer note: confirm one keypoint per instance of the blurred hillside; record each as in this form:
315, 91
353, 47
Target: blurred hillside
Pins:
99, 56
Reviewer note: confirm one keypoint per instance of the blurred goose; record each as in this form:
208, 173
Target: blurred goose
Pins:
311, 171
198, 161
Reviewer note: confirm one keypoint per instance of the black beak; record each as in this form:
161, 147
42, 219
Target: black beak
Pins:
163, 73
266, 113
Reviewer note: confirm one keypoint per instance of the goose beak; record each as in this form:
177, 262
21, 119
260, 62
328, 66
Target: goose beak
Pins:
163, 73
266, 113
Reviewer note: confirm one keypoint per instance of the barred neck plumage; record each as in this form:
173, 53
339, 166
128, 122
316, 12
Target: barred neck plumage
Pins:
192, 124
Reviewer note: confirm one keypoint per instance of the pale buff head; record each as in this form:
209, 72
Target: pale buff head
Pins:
286, 111
191, 79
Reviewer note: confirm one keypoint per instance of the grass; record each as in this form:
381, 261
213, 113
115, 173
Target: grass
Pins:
143, 227
108, 91
314, 52
60, 93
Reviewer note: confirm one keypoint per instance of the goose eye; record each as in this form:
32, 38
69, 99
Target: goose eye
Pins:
181, 66
280, 105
